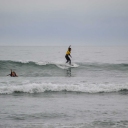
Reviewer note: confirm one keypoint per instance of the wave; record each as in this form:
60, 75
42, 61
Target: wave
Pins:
57, 69
52, 87
8, 63
20, 63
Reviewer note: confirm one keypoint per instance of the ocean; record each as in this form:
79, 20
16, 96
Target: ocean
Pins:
48, 94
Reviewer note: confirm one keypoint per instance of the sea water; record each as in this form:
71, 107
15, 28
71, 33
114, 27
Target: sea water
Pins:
45, 95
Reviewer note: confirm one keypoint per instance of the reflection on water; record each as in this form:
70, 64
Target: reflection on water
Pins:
69, 72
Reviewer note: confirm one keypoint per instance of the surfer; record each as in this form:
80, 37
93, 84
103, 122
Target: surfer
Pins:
68, 54
12, 74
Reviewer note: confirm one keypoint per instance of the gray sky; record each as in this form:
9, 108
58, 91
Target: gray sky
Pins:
63, 22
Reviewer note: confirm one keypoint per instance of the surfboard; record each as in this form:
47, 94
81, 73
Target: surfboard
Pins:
71, 65
66, 65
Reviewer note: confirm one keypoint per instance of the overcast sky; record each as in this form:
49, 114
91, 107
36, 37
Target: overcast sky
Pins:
63, 22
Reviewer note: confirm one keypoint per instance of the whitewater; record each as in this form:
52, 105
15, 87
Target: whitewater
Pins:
47, 94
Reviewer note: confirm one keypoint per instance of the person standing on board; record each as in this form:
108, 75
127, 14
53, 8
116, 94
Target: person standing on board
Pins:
68, 53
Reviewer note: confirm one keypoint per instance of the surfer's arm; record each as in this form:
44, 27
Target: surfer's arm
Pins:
69, 46
16, 76
70, 55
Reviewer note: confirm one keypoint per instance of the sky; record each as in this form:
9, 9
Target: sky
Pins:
63, 22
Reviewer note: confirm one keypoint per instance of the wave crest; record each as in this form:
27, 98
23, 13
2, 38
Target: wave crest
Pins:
122, 66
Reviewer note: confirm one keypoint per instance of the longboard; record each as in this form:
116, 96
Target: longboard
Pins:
71, 65
66, 65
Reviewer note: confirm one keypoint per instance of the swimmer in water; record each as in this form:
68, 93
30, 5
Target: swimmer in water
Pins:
12, 74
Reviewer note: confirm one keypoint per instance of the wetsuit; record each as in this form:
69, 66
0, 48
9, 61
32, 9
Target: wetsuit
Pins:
13, 74
67, 57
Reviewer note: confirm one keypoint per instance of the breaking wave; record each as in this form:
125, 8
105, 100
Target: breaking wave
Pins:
40, 87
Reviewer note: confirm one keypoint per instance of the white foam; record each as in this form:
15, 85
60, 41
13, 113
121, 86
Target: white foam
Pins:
28, 87
41, 63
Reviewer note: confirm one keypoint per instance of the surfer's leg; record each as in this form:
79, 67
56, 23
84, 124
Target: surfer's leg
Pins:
70, 61
67, 59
